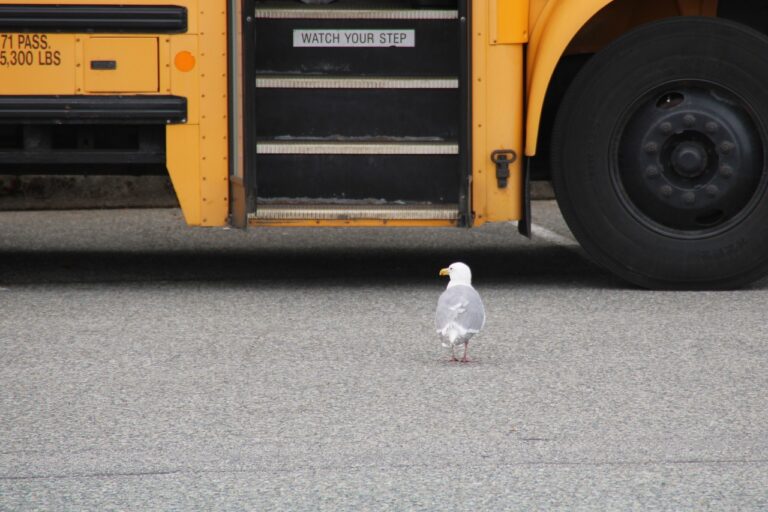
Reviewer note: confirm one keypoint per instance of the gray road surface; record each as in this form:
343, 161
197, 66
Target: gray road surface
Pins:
149, 366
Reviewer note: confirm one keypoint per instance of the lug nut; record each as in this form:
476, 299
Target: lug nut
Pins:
712, 190
726, 147
652, 172
665, 128
689, 120
651, 147
689, 197
726, 171
711, 127
666, 190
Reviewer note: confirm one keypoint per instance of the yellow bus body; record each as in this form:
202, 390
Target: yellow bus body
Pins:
516, 45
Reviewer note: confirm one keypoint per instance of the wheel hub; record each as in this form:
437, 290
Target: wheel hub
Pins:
690, 159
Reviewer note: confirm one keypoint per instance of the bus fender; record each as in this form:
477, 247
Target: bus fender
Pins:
554, 29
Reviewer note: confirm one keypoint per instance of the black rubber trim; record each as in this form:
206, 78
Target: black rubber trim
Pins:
93, 109
525, 225
249, 107
465, 121
126, 19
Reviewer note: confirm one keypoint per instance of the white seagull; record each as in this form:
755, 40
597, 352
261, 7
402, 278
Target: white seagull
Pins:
460, 313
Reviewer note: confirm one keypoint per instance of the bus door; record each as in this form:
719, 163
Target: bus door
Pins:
355, 113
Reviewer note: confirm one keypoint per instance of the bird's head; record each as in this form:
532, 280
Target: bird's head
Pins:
459, 273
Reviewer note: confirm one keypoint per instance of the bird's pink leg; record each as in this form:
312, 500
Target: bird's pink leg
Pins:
453, 353
465, 359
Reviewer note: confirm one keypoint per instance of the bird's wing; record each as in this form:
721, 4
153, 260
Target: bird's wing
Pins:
460, 306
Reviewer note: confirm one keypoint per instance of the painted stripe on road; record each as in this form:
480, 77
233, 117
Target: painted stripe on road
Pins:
552, 237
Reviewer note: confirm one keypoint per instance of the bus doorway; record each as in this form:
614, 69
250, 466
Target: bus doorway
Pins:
355, 112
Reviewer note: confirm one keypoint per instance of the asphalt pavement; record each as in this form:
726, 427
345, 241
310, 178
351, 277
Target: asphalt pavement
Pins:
145, 365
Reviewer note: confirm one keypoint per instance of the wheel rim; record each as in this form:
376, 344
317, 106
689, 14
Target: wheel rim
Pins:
689, 159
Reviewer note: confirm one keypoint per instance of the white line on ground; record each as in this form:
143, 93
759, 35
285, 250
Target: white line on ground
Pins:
551, 236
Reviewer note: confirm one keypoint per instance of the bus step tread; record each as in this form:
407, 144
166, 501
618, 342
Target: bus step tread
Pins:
356, 212
356, 148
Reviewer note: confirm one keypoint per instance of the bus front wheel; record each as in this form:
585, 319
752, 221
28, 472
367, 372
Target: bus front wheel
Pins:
659, 155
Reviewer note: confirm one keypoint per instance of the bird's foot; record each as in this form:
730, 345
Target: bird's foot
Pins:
465, 359
454, 359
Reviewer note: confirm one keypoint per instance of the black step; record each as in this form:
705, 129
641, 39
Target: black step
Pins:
371, 113
431, 179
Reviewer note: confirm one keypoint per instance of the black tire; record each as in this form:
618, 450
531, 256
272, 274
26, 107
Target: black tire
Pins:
659, 155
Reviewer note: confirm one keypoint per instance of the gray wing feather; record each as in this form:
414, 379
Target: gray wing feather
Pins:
462, 305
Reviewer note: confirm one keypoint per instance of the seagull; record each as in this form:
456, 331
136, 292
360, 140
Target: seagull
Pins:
460, 313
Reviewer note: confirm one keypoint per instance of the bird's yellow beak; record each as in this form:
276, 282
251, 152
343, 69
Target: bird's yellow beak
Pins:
444, 272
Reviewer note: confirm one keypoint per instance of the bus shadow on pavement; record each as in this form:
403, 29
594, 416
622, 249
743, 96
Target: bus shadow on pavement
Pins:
377, 266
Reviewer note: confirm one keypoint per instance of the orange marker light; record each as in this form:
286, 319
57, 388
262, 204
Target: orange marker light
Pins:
184, 61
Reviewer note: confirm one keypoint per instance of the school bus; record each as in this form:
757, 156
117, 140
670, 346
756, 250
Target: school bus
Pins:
651, 118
